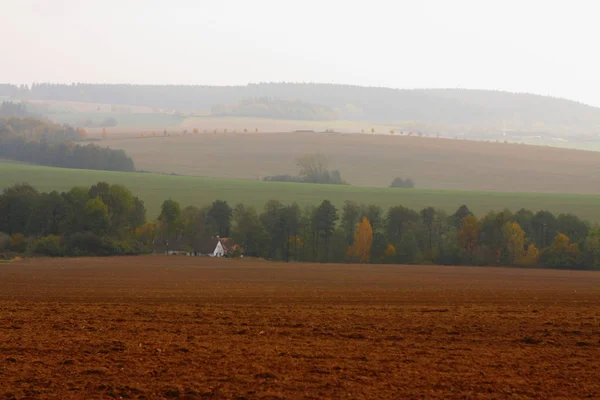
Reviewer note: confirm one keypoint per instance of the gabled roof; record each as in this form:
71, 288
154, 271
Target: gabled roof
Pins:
208, 246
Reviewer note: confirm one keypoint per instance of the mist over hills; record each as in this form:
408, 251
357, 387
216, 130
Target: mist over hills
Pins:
430, 110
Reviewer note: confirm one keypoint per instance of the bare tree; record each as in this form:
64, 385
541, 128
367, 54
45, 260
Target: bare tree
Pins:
313, 167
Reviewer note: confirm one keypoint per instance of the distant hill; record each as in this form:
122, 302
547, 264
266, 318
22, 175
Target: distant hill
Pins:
457, 111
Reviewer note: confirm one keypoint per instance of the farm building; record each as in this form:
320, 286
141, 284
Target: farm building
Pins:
221, 247
213, 247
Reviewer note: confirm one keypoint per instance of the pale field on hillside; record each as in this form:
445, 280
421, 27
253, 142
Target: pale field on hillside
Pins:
372, 160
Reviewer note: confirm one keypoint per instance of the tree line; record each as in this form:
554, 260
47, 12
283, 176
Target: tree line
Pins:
107, 219
444, 109
46, 143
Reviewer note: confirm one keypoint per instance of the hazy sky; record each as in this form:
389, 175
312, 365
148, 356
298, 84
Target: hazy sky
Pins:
545, 47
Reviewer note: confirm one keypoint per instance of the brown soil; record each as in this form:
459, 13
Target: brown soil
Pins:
191, 328
373, 160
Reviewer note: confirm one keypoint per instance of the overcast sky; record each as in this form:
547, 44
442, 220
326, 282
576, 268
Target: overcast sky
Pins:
545, 47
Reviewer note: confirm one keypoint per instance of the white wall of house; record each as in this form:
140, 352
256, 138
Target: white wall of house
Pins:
219, 250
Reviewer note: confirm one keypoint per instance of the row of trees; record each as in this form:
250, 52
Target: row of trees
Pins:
108, 219
45, 143
36, 129
99, 220
66, 155
365, 233
10, 109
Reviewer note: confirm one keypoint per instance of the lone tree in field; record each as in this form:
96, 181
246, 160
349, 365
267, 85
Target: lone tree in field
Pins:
313, 167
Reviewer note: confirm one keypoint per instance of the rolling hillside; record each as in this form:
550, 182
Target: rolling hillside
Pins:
372, 160
153, 189
433, 110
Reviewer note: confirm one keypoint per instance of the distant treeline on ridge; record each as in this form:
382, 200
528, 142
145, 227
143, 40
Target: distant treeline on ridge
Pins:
455, 107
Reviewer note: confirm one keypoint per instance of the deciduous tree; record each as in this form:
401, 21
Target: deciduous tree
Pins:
363, 240
514, 239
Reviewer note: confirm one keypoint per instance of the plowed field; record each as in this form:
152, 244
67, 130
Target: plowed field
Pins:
193, 328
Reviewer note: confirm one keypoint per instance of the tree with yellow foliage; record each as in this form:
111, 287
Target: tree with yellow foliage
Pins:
148, 233
562, 254
531, 256
514, 240
363, 240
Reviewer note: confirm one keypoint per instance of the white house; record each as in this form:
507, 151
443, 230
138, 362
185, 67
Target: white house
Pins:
219, 250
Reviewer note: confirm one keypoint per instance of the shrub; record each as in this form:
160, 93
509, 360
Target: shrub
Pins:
88, 244
4, 241
48, 246
403, 183
18, 243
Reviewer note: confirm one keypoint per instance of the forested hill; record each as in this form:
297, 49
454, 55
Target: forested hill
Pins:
459, 108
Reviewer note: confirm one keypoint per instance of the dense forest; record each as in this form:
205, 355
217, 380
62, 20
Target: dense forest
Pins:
42, 142
66, 155
107, 219
460, 108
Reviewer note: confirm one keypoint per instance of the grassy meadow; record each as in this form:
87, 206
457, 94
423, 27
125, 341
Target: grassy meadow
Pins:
154, 189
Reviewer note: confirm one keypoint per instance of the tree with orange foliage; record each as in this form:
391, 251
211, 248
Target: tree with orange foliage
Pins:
390, 253
104, 134
195, 131
82, 133
363, 240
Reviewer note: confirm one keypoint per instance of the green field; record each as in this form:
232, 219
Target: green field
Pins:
154, 189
